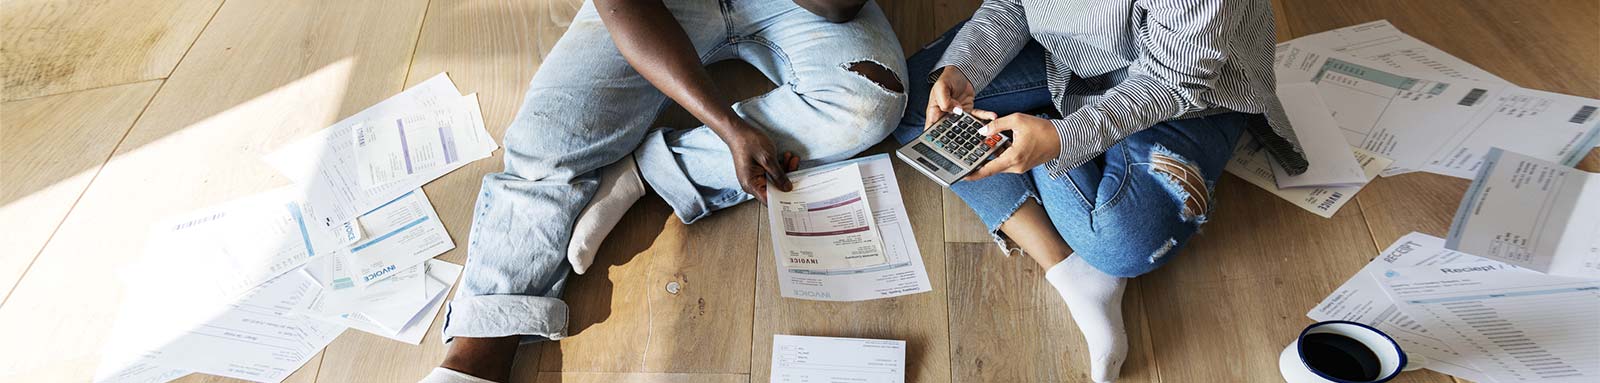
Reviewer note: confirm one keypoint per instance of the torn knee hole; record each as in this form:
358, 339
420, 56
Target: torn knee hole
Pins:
877, 74
1184, 180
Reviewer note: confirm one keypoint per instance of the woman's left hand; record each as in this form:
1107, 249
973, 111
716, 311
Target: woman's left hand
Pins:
1033, 142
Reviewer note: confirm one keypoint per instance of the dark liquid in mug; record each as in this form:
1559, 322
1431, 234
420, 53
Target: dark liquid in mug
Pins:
1340, 356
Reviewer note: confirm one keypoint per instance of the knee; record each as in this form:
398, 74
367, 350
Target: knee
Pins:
859, 115
1182, 179
878, 74
1128, 255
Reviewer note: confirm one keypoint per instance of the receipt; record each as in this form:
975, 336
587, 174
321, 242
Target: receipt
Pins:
1361, 299
1533, 214
1383, 45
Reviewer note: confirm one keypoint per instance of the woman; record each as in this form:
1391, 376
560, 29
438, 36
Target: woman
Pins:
1143, 101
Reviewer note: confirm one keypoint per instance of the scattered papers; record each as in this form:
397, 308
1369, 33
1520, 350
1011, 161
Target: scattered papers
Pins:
900, 273
326, 165
1251, 163
1332, 164
824, 359
1384, 46
1361, 299
1445, 125
254, 288
1532, 214
165, 322
1513, 324
826, 222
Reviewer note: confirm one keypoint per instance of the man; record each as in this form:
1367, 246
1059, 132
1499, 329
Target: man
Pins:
1144, 100
839, 72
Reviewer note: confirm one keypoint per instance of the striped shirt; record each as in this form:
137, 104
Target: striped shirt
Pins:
1118, 67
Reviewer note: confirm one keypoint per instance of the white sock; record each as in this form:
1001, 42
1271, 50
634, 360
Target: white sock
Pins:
445, 375
620, 187
1095, 299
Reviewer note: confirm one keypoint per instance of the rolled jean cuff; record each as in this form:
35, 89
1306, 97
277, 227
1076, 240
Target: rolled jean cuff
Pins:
493, 316
660, 168
995, 199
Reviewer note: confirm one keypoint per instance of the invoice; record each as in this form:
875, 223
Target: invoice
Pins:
825, 223
807, 359
900, 273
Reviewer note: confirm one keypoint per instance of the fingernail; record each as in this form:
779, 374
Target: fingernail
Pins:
983, 130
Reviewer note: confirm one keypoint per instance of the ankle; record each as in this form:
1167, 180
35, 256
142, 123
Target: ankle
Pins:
485, 358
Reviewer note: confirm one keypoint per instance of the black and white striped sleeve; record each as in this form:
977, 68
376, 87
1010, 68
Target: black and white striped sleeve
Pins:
997, 31
1183, 51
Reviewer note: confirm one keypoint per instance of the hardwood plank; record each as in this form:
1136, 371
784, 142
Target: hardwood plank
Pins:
961, 225
1009, 325
918, 319
1239, 291
591, 377
491, 48
50, 148
198, 143
53, 47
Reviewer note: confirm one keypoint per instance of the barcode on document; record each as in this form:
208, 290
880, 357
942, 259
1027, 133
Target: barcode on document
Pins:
1583, 115
1472, 97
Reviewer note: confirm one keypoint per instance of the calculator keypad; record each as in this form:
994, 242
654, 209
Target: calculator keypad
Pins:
959, 136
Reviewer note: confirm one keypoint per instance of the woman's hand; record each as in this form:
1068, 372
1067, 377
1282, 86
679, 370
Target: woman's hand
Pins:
951, 91
1033, 142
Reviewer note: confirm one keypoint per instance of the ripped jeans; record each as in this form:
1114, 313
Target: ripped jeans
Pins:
1125, 212
839, 92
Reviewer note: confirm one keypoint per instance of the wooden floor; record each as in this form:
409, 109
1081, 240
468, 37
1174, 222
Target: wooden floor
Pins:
117, 113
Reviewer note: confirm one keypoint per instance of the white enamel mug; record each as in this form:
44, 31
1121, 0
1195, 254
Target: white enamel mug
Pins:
1391, 359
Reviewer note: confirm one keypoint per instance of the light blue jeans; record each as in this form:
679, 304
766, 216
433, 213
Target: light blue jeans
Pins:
587, 108
1118, 212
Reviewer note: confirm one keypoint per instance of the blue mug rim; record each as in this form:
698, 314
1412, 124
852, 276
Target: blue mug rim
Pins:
1300, 349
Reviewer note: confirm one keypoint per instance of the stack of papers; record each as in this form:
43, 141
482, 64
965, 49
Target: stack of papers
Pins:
843, 234
1472, 317
1337, 170
253, 288
1432, 118
1533, 214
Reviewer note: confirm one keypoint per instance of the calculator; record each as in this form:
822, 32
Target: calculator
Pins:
951, 148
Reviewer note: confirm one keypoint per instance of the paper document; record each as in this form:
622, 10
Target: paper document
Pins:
164, 322
326, 165
231, 248
1361, 299
1531, 213
1513, 324
1443, 126
826, 223
900, 270
805, 359
1332, 164
401, 146
1251, 163
1385, 46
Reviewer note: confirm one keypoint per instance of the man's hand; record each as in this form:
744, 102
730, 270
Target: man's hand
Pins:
951, 91
756, 161
1033, 142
